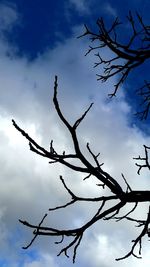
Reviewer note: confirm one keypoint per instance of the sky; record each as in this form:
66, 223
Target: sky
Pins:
38, 40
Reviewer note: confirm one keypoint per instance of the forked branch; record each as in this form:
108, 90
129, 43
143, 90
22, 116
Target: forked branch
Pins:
126, 55
111, 192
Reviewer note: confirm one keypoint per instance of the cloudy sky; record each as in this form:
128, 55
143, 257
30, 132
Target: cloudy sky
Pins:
38, 41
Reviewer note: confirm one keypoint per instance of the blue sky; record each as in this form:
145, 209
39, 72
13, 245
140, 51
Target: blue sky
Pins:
42, 26
37, 41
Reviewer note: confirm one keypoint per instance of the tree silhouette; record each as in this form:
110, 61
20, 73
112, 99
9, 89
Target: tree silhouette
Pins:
125, 58
127, 54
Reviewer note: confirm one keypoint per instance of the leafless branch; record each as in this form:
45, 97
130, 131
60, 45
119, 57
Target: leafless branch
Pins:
144, 93
126, 55
138, 240
114, 194
145, 159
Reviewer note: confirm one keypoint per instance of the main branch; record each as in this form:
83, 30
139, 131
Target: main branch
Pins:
110, 203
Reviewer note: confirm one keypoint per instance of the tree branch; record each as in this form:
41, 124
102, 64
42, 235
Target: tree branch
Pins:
125, 56
117, 199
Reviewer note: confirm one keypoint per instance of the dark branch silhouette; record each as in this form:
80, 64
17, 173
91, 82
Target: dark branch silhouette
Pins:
111, 188
127, 55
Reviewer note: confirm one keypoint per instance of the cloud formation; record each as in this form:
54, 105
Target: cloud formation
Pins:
29, 186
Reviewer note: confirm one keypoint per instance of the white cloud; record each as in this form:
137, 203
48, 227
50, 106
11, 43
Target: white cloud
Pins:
44, 260
29, 186
104, 248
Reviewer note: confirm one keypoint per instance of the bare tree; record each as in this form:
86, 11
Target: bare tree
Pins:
113, 191
127, 55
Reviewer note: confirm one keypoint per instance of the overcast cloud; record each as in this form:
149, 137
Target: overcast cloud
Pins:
29, 186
